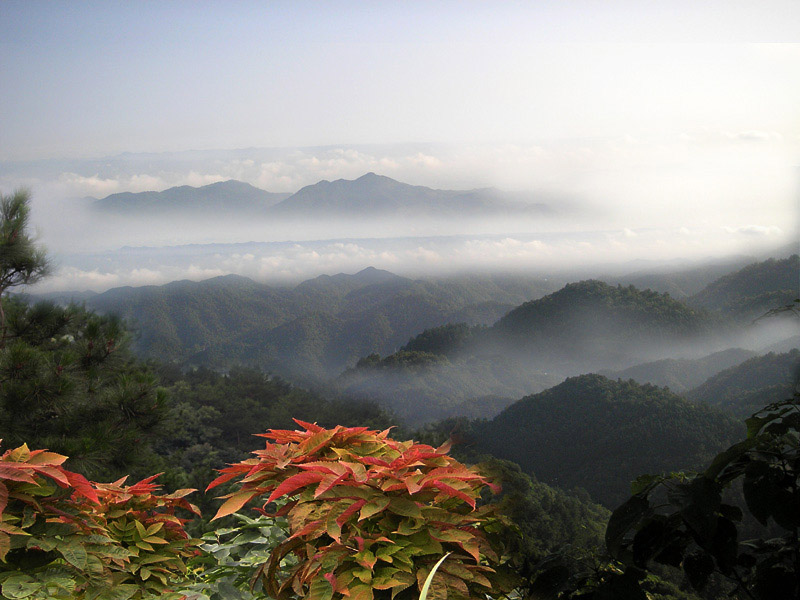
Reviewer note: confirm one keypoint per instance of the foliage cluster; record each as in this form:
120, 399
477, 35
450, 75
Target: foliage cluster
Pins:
445, 340
681, 520
62, 536
21, 260
369, 516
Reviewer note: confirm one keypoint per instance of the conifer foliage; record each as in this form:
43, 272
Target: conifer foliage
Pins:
21, 260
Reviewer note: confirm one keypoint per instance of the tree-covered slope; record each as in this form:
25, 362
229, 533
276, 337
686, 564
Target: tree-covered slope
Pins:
754, 289
311, 331
457, 369
600, 434
744, 388
682, 374
593, 321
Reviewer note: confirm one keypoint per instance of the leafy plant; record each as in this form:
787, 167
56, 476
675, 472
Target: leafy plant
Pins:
62, 536
682, 520
232, 555
368, 517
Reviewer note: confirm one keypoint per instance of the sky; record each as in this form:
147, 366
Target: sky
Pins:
683, 115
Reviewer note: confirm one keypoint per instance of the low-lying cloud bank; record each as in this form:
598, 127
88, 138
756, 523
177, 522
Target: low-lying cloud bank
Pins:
584, 254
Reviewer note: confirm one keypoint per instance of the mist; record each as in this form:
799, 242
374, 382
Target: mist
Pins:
608, 202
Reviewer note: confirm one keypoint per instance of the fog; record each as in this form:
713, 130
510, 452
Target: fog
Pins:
609, 202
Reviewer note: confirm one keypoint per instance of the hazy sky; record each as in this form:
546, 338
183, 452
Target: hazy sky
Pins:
682, 115
95, 78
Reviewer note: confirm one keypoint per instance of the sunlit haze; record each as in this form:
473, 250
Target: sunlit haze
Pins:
657, 131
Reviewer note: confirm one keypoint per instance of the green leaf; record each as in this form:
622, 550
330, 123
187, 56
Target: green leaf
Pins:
119, 592
404, 507
20, 586
320, 589
74, 554
622, 520
373, 507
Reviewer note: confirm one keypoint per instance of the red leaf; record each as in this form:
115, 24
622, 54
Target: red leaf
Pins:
328, 481
326, 466
353, 508
295, 482
371, 460
222, 479
311, 527
450, 491
54, 473
313, 427
82, 486
145, 485
318, 441
16, 473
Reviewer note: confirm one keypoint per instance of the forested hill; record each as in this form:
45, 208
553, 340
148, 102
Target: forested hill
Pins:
456, 369
593, 325
682, 374
591, 308
308, 332
753, 290
600, 434
746, 387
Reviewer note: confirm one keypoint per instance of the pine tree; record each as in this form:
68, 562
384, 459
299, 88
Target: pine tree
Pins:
22, 261
68, 381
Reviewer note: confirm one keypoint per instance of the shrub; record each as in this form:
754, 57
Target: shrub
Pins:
62, 536
369, 516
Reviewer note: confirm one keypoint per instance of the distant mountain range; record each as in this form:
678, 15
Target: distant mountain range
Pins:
369, 195
215, 198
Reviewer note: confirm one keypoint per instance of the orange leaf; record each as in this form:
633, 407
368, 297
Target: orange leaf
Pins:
39, 457
234, 503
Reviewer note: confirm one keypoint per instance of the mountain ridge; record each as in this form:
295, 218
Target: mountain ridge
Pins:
368, 195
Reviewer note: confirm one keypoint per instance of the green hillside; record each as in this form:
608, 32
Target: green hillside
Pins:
747, 387
591, 320
754, 289
310, 332
600, 434
680, 375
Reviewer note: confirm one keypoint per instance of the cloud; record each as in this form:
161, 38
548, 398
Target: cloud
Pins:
97, 186
756, 230
755, 136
